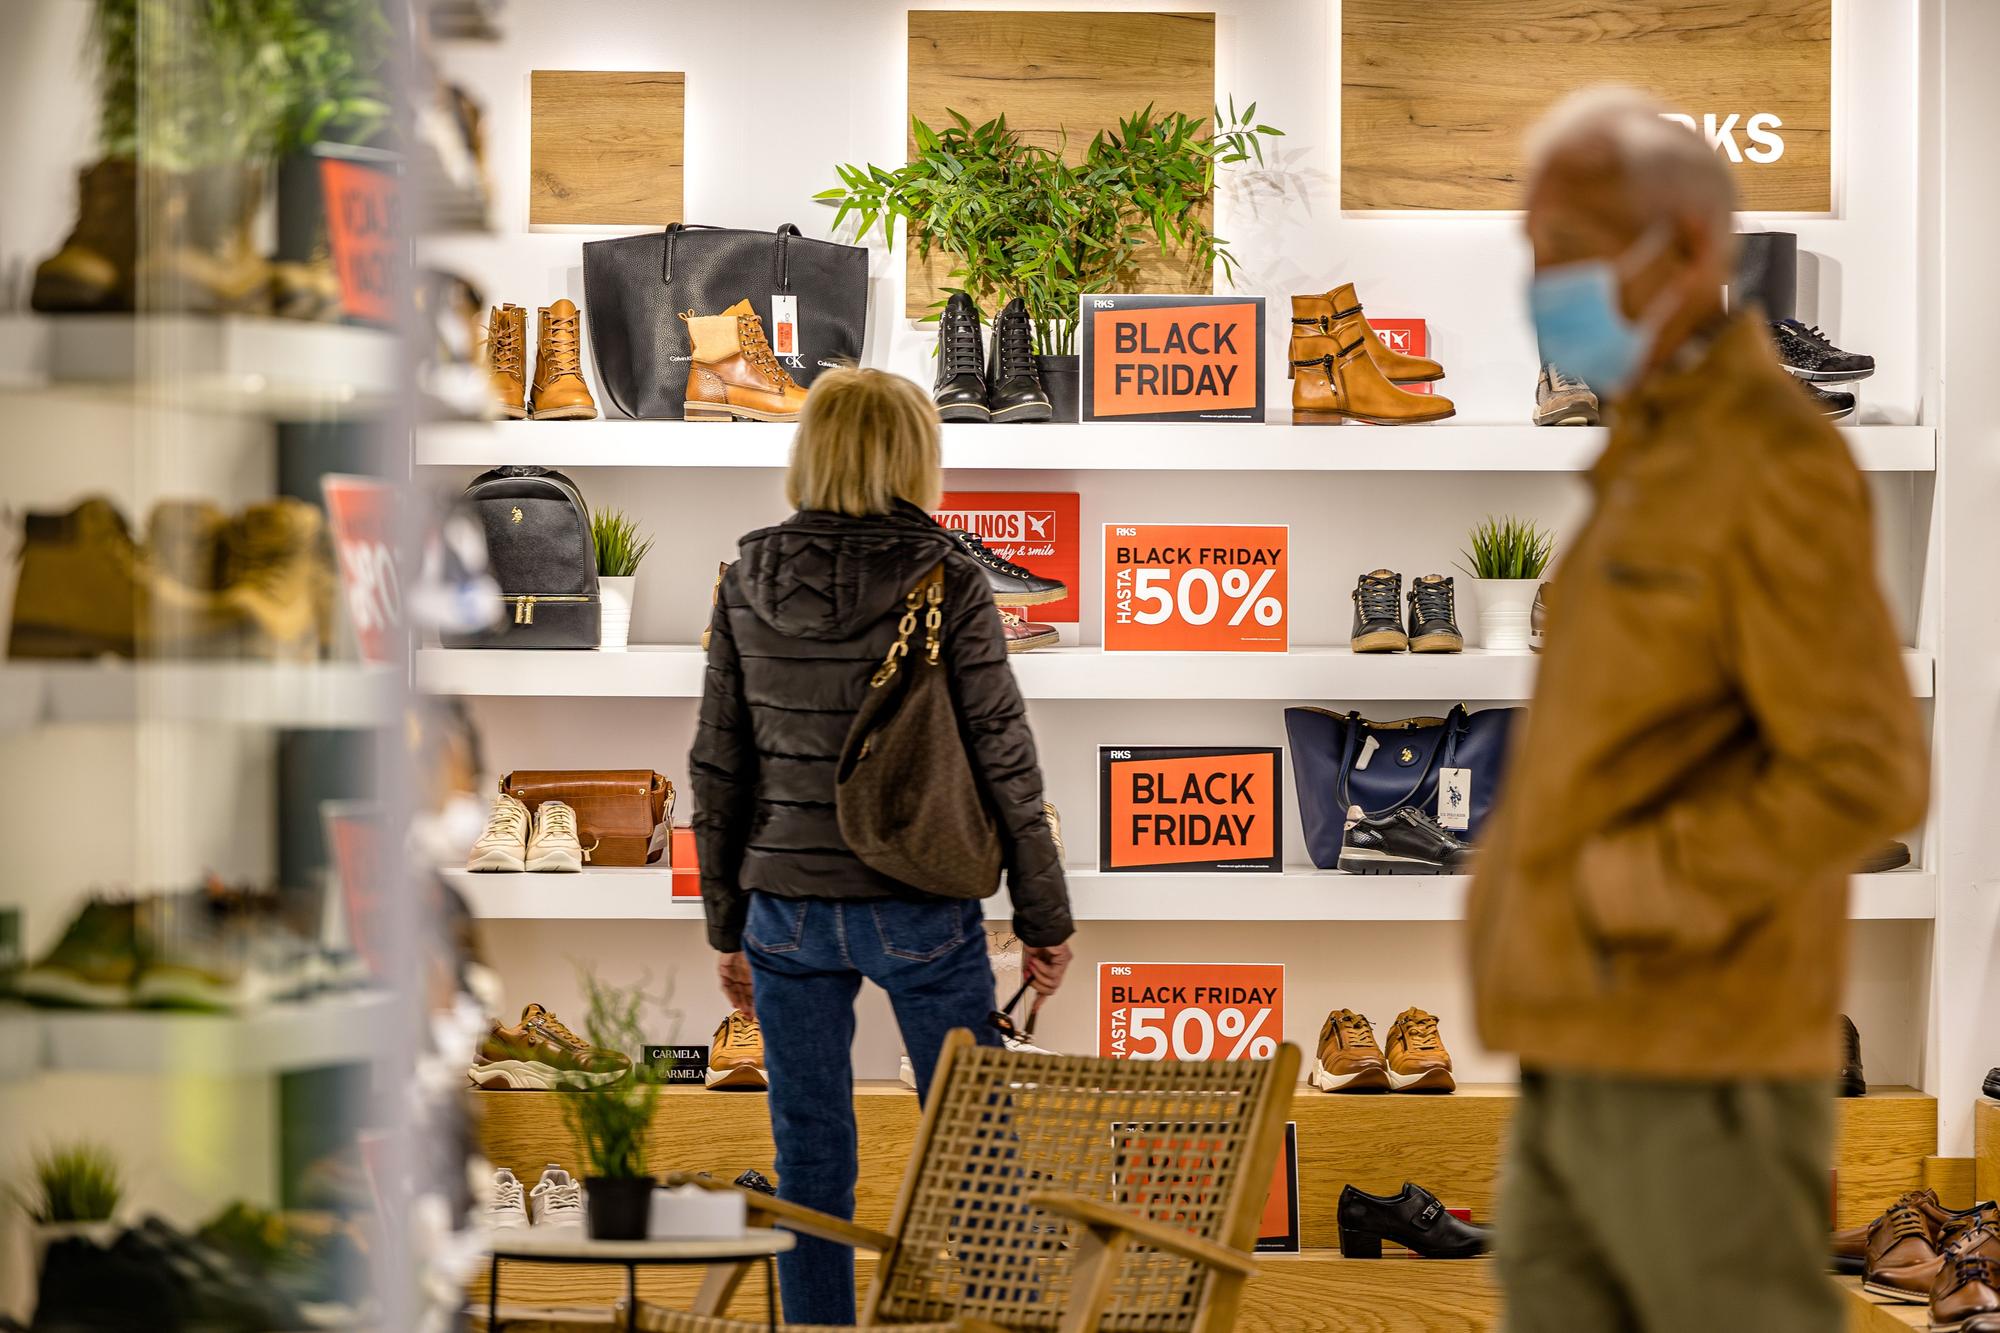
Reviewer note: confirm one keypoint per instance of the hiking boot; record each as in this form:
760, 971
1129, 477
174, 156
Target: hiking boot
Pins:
1405, 841
736, 1056
93, 965
277, 573
560, 393
306, 288
506, 363
1349, 1060
1024, 635
1378, 614
540, 1053
1337, 380
1852, 1083
1417, 1059
93, 271
552, 840
1561, 399
206, 260
1832, 404
1808, 354
714, 599
733, 374
1433, 622
959, 389
1014, 390
1012, 585
1316, 316
504, 844
184, 541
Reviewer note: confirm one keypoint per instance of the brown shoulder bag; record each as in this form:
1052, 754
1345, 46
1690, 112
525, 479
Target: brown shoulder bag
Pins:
908, 801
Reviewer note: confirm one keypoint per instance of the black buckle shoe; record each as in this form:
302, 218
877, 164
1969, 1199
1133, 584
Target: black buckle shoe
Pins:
1413, 1218
960, 387
1405, 841
1014, 389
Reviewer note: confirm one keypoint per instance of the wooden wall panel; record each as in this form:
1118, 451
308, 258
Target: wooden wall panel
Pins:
1051, 72
606, 148
1433, 113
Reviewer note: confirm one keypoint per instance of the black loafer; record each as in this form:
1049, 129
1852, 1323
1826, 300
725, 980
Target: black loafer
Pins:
1412, 1218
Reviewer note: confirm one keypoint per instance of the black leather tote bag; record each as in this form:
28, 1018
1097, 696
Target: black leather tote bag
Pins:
635, 286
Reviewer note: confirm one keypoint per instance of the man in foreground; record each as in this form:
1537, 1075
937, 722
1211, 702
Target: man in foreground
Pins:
1722, 726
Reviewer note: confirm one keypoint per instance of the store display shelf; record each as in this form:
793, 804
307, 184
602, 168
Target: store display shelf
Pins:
273, 694
224, 363
21, 1042
312, 1034
674, 671
645, 894
1099, 447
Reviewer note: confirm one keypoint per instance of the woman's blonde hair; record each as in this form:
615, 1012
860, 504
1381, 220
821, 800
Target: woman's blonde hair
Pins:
867, 439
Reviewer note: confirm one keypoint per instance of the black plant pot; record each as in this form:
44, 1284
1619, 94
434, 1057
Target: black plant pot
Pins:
618, 1209
1062, 380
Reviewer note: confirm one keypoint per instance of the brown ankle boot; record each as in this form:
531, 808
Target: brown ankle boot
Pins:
734, 374
506, 332
93, 270
1338, 381
207, 261
1317, 315
560, 393
278, 575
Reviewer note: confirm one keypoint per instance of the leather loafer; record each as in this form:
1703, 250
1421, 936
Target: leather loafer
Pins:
1412, 1218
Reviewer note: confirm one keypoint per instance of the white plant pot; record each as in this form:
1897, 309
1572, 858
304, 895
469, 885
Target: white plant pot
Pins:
1505, 609
614, 599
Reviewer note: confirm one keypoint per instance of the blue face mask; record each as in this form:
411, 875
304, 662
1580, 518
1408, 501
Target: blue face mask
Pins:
1580, 323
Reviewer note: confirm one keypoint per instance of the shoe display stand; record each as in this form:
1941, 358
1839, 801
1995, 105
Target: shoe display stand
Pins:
1355, 498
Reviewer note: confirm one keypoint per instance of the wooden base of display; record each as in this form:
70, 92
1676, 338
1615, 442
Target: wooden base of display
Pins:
1872, 1314
1986, 1148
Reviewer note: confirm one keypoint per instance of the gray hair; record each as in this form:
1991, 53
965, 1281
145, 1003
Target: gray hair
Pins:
1666, 165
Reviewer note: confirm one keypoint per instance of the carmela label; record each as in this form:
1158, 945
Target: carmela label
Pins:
677, 1064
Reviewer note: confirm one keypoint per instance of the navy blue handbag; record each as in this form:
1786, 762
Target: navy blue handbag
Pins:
1334, 767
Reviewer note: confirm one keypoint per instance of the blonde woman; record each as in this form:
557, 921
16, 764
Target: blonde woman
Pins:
801, 622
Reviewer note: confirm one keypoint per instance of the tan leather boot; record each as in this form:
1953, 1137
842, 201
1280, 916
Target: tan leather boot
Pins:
206, 259
560, 393
734, 375
1338, 381
277, 572
506, 336
93, 270
1317, 315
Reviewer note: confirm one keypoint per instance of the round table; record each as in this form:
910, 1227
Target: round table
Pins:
572, 1245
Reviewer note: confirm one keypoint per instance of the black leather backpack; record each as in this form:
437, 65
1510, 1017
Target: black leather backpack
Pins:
539, 549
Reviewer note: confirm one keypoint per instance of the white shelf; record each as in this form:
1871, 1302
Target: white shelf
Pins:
21, 1042
248, 693
675, 672
344, 1029
1293, 895
233, 363
1099, 447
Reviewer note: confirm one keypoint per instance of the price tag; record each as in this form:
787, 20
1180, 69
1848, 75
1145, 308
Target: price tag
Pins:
1190, 1011
1214, 588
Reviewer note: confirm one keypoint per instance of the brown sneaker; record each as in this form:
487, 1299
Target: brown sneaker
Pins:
1903, 1255
506, 359
1054, 817
736, 1056
560, 393
1349, 1060
1563, 400
733, 374
541, 1054
1024, 635
1965, 1297
1417, 1059
1850, 1247
277, 572
714, 597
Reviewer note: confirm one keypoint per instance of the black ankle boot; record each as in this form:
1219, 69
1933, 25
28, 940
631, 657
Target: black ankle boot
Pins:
1014, 389
960, 387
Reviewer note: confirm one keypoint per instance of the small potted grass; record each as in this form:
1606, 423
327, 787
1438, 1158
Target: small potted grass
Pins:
74, 1195
1507, 561
609, 1124
620, 548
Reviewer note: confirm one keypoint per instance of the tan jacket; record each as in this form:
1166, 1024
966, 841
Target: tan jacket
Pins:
1722, 727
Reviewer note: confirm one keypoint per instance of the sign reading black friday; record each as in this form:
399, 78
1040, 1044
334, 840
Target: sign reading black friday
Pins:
1173, 358
1190, 808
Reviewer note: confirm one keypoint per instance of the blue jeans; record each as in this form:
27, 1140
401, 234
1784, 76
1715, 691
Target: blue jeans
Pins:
807, 959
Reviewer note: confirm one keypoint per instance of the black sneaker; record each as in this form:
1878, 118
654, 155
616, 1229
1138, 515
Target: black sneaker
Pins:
1014, 389
960, 387
1833, 404
1807, 354
1992, 1085
1852, 1084
1538, 618
1378, 614
1011, 584
1889, 856
1406, 841
1433, 626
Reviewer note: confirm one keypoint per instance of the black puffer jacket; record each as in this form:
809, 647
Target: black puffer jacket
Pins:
802, 620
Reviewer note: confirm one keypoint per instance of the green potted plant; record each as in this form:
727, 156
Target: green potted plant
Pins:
1022, 220
609, 1124
1507, 560
74, 1194
620, 548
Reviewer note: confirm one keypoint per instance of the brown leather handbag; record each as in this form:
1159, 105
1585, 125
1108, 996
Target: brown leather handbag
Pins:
622, 814
908, 801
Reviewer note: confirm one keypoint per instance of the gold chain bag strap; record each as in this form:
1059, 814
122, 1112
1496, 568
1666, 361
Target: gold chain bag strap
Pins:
909, 803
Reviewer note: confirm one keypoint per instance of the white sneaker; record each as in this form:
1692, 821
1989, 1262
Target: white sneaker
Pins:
508, 1208
557, 1199
504, 844
906, 1074
552, 844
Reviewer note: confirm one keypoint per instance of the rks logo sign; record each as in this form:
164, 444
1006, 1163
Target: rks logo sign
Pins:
1765, 145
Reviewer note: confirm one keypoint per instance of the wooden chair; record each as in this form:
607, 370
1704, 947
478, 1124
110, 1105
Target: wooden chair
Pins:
1059, 1193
